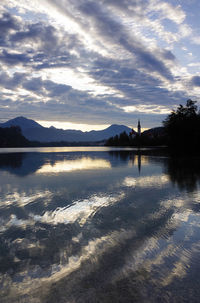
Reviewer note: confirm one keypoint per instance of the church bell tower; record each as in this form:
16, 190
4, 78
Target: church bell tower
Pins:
139, 128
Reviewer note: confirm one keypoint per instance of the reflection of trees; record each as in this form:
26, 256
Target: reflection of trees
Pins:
185, 172
11, 160
23, 164
120, 157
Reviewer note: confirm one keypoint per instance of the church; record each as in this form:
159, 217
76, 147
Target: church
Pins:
134, 133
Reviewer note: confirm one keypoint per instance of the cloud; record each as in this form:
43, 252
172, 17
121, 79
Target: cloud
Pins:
14, 58
113, 32
88, 61
40, 34
195, 81
43, 45
11, 82
168, 11
7, 23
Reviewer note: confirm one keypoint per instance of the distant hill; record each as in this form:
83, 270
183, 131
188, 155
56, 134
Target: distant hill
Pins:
154, 132
33, 131
22, 122
152, 137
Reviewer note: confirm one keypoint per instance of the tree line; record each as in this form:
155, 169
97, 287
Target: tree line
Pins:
12, 137
180, 131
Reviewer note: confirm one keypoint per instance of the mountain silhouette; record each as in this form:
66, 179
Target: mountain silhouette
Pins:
35, 132
22, 122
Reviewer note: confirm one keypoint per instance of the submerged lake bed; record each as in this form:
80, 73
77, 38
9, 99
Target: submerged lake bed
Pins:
98, 225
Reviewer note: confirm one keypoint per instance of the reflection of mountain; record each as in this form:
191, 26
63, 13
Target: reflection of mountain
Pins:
185, 172
23, 164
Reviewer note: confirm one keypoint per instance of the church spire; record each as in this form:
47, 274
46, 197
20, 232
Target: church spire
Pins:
139, 128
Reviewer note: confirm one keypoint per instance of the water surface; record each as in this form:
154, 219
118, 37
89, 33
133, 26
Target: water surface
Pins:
98, 225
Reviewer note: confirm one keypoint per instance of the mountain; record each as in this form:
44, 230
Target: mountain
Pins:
22, 122
35, 132
154, 132
111, 131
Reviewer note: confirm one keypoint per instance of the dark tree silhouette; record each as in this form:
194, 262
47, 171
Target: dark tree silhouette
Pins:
122, 140
12, 137
183, 127
145, 139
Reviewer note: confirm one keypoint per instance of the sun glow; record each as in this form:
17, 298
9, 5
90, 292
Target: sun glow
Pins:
70, 125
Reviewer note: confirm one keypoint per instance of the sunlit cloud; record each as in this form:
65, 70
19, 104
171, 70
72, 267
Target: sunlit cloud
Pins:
154, 109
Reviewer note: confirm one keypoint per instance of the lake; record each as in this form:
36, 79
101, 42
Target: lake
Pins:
98, 225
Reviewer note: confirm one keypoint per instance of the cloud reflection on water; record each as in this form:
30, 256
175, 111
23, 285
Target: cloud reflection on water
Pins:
22, 199
149, 181
115, 229
78, 211
72, 165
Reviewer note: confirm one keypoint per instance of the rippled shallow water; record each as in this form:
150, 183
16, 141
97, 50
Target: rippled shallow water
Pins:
98, 225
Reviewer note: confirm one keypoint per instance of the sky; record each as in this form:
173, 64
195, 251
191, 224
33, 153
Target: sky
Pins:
89, 64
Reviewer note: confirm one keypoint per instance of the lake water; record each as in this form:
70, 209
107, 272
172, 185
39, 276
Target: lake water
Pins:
98, 225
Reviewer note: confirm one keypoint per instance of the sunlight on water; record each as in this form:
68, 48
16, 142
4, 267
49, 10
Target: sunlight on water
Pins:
59, 149
106, 226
